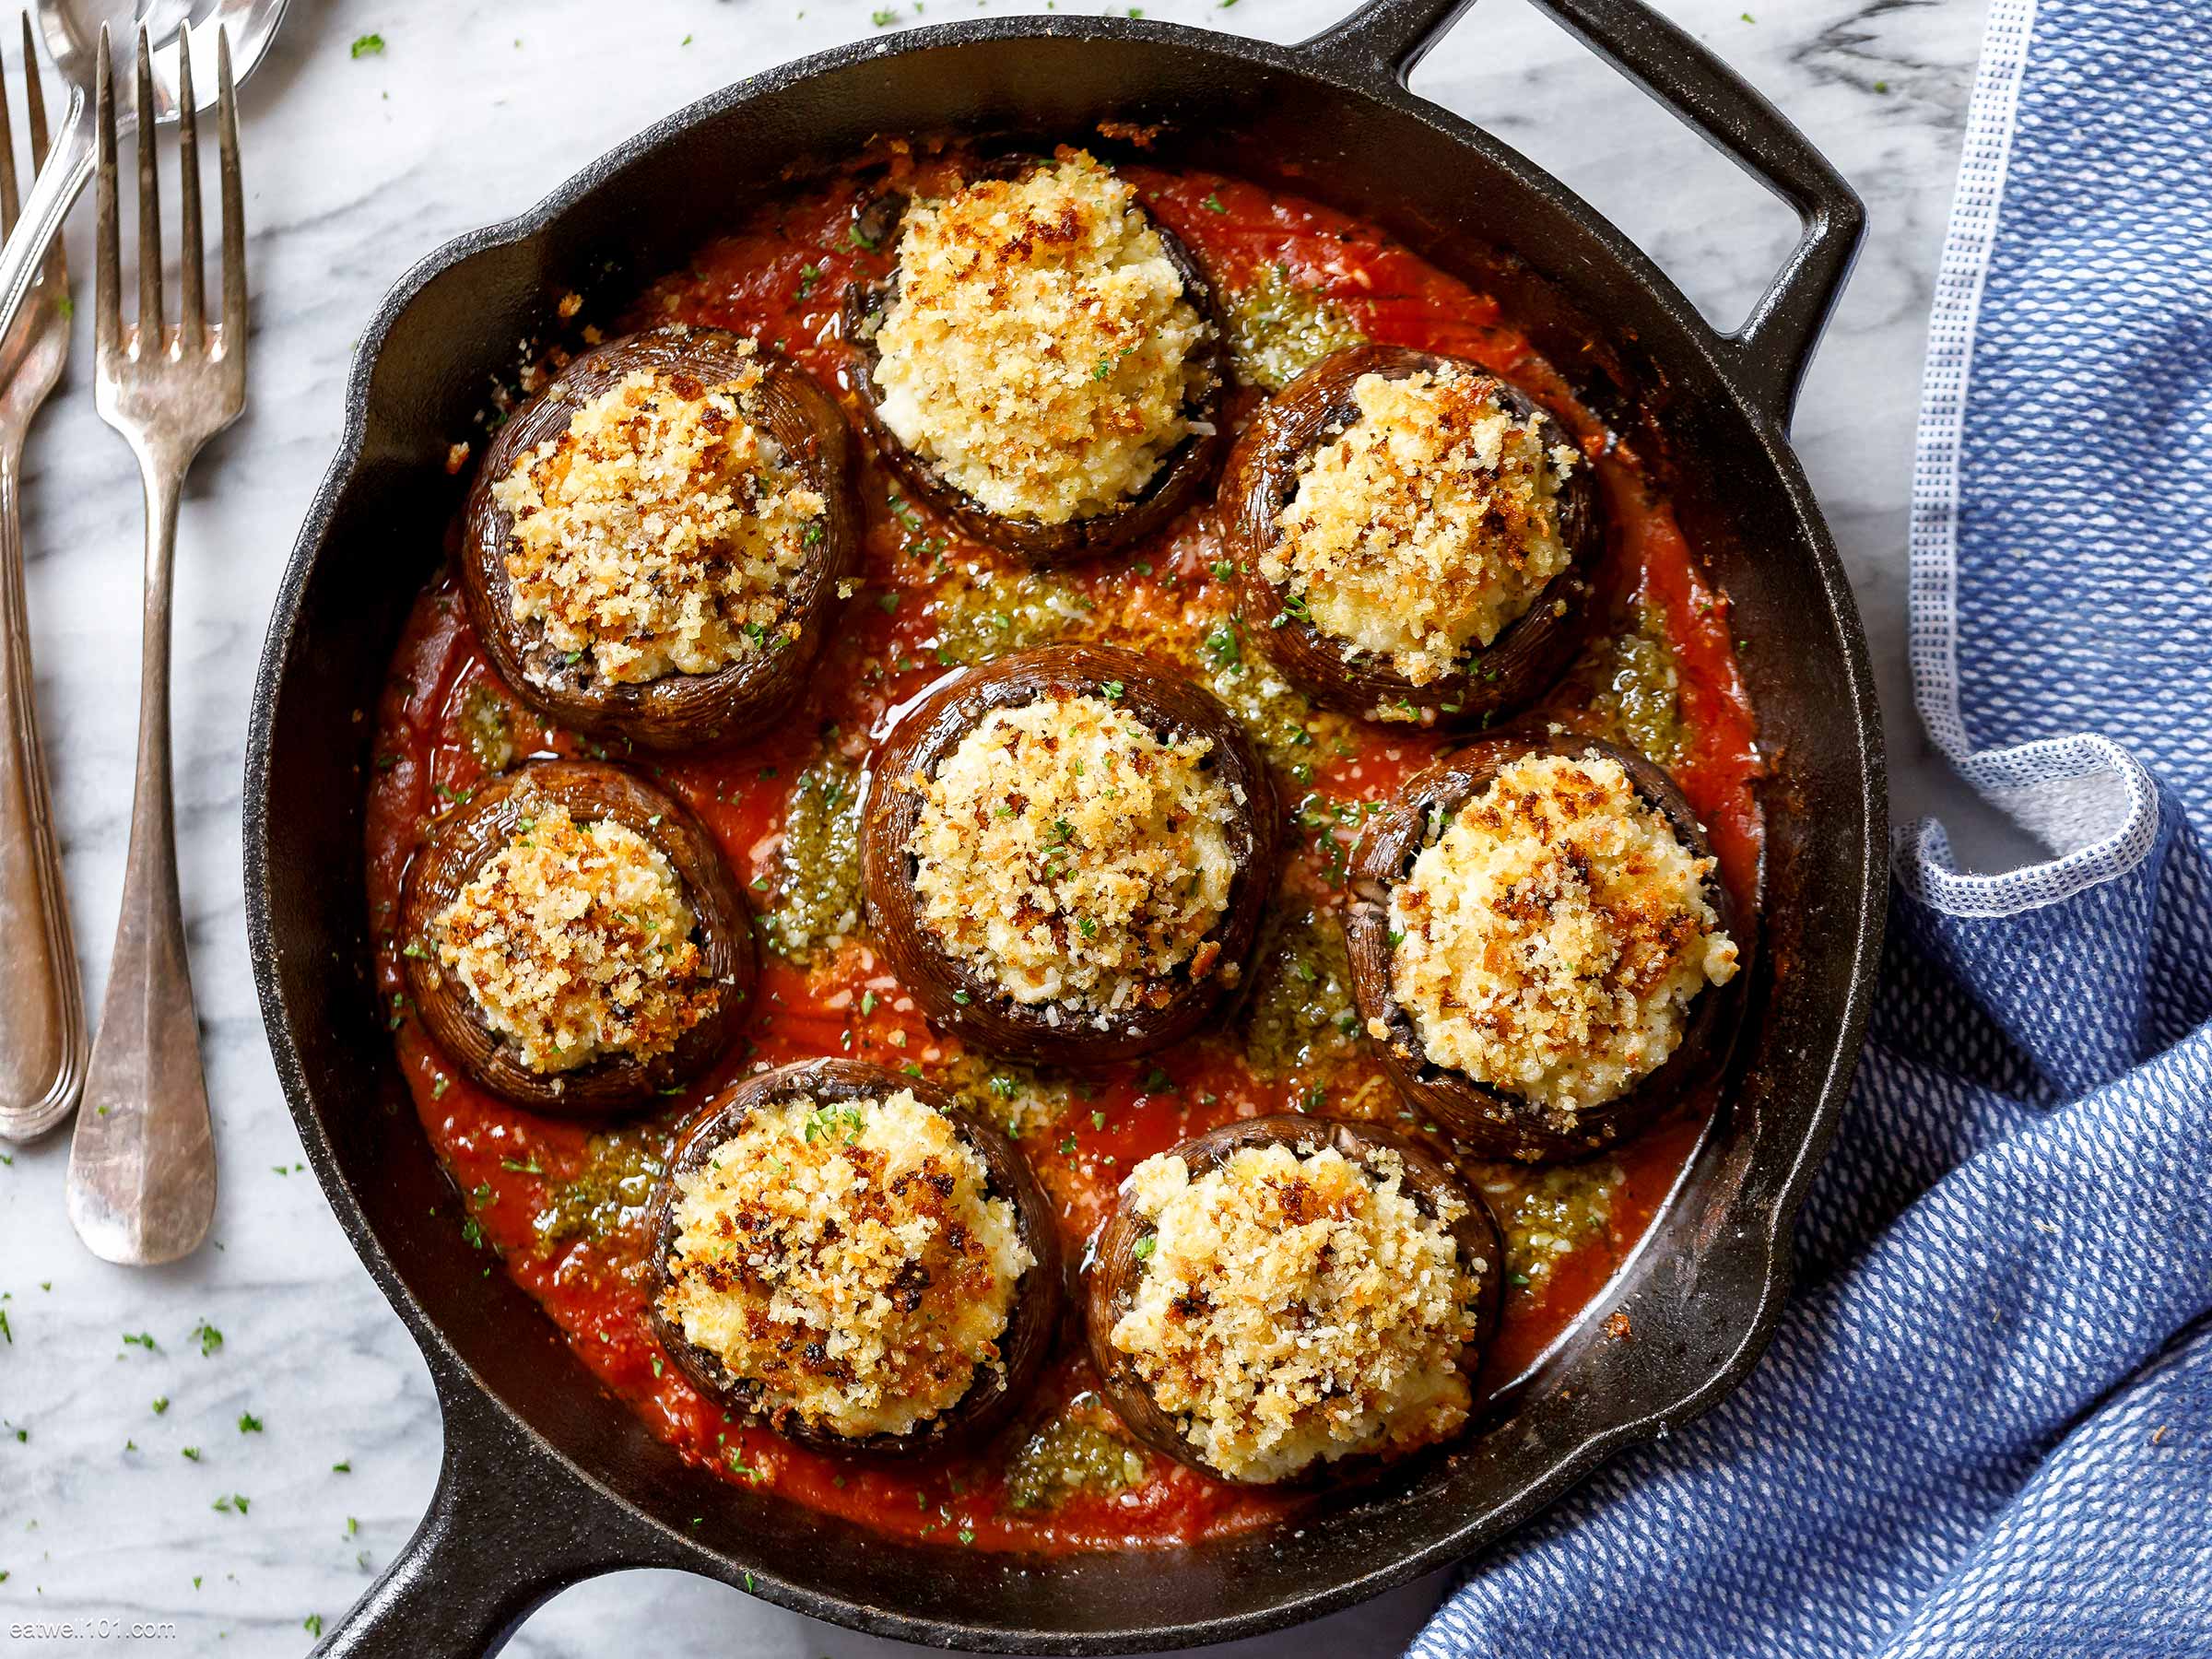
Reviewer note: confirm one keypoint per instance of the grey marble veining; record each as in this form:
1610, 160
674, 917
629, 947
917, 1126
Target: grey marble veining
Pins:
356, 168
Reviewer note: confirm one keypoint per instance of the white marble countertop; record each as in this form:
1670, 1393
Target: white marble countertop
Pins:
356, 169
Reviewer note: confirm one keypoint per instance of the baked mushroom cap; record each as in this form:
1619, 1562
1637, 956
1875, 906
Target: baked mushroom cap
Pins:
1263, 479
899, 1261
1026, 892
704, 628
1303, 1301
1120, 371
1483, 1118
558, 892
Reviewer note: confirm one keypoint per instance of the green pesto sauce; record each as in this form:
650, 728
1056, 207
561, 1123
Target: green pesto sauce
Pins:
1278, 330
1075, 1453
1021, 1100
1282, 722
1555, 1211
817, 897
985, 613
1300, 1022
1633, 677
609, 1194
487, 725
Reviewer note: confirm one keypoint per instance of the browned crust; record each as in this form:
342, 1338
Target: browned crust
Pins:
677, 710
1483, 1121
1111, 1279
1517, 668
950, 990
459, 845
1172, 488
1032, 1322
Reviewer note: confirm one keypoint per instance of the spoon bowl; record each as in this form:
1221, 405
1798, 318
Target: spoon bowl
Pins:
72, 30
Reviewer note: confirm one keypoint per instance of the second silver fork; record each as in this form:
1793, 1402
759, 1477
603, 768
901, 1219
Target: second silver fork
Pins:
142, 1167
43, 1038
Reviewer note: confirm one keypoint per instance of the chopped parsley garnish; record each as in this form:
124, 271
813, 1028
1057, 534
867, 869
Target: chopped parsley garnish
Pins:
827, 1121
367, 45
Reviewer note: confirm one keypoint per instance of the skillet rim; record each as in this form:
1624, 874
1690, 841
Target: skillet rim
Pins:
1345, 61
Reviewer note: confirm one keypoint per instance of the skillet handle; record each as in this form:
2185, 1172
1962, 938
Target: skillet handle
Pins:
1769, 353
507, 1529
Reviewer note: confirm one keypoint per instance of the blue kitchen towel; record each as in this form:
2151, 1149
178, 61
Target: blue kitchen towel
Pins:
1985, 1423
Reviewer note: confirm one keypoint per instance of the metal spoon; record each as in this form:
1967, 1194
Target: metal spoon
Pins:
72, 30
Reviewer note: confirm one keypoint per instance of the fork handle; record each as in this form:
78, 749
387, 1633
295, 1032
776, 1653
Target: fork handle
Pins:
141, 1186
67, 171
43, 1039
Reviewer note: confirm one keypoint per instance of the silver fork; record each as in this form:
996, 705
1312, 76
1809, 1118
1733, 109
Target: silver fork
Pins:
142, 1167
43, 1016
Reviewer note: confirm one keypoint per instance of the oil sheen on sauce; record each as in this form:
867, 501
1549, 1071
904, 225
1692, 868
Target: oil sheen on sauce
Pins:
560, 1204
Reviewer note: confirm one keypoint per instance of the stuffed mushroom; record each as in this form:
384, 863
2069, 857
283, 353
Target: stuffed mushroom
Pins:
1541, 945
1043, 363
845, 1254
574, 941
657, 541
1065, 853
1413, 537
1293, 1301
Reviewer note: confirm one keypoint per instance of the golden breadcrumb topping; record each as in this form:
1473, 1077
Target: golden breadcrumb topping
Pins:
576, 941
1291, 1309
1549, 942
660, 534
1037, 353
1426, 525
848, 1259
1068, 854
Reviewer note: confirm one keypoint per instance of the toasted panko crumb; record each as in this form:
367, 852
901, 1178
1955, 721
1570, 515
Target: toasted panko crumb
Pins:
1426, 525
1549, 942
576, 941
1038, 352
1069, 855
1296, 1309
848, 1260
660, 534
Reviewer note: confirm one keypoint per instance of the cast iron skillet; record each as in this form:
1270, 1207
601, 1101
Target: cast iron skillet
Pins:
545, 1479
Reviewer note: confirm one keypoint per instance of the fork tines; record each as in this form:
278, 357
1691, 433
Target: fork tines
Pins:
192, 335
34, 100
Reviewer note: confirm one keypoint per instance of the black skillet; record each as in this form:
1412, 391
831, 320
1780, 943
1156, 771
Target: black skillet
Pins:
545, 1479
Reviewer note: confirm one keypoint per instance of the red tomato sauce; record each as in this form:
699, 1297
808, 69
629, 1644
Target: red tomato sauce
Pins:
779, 278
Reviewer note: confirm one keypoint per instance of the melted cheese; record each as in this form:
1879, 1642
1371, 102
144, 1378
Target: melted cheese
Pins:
847, 1259
1426, 525
1038, 351
576, 941
1550, 941
1068, 854
1292, 1310
660, 534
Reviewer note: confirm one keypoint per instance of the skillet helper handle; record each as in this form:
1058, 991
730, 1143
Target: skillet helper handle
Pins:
506, 1530
1770, 350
